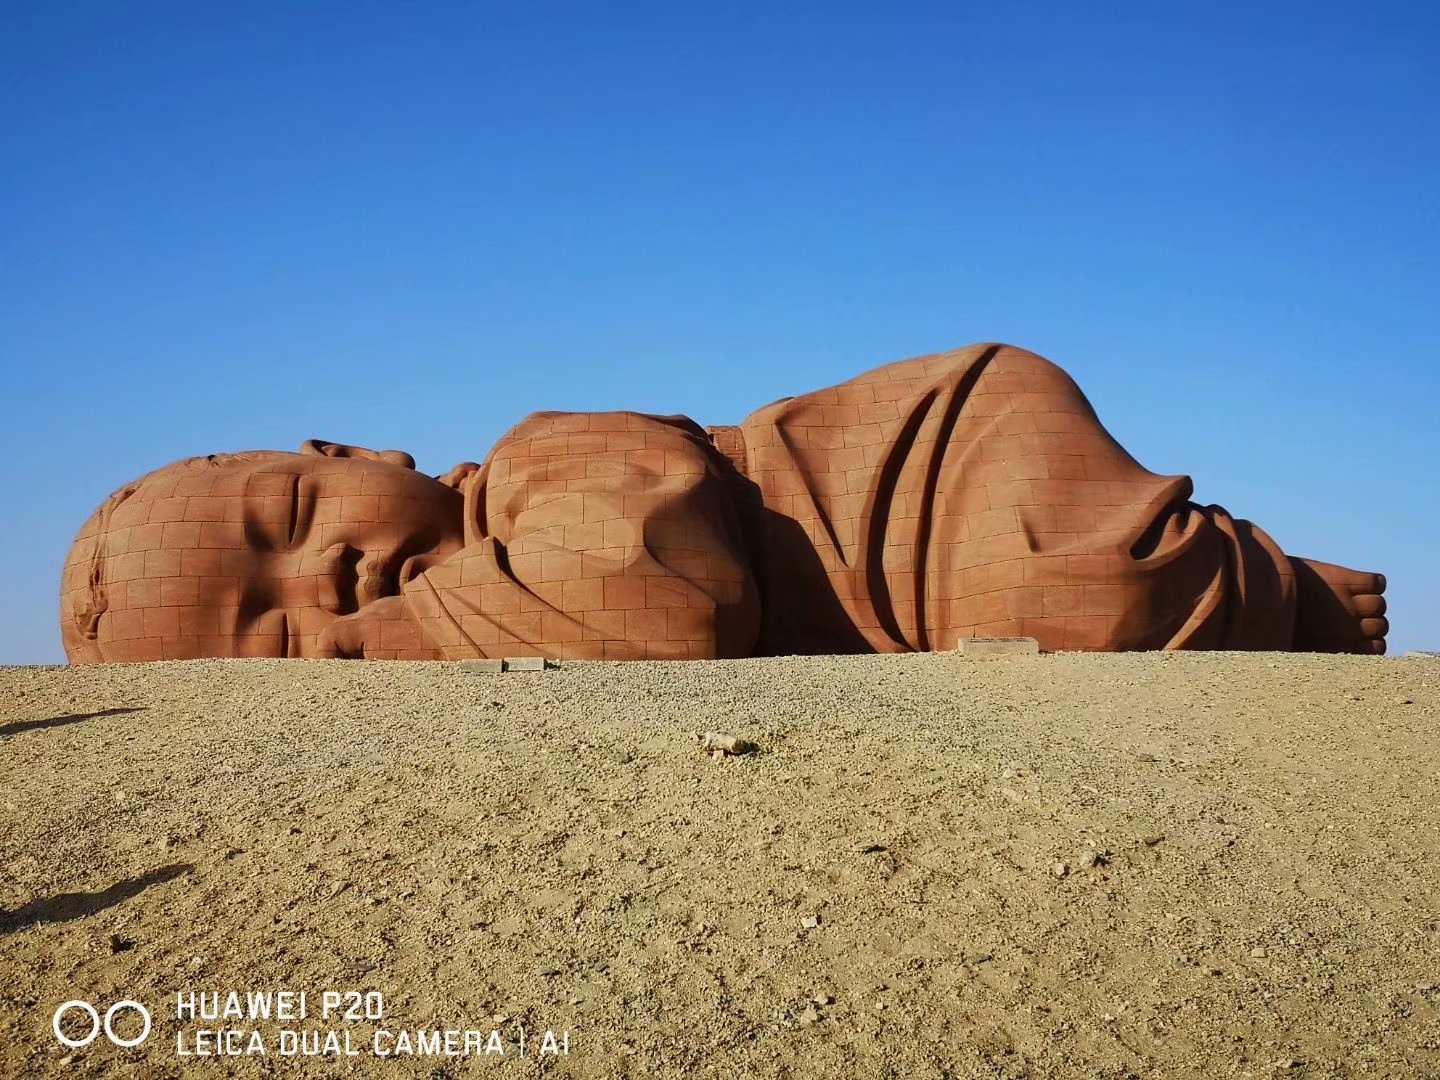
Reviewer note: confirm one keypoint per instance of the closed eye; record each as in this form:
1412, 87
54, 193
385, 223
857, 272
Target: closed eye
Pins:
302, 510
267, 531
292, 500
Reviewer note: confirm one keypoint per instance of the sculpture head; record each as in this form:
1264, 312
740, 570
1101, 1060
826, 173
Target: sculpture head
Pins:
251, 554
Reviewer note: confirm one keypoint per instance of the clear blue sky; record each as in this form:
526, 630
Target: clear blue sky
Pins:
227, 226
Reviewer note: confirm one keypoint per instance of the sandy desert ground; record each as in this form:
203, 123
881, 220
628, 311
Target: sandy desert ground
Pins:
1200, 865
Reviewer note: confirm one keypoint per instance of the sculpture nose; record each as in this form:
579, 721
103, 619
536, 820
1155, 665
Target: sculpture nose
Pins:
346, 578
335, 577
375, 578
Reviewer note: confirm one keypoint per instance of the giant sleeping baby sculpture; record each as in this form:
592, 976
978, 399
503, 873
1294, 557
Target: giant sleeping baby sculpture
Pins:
967, 493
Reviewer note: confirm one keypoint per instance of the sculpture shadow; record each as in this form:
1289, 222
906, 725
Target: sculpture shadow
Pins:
807, 616
61, 721
68, 906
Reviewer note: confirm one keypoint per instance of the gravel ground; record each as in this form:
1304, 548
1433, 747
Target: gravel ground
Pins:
1182, 865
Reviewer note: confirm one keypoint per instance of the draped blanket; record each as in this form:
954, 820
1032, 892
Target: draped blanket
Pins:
971, 492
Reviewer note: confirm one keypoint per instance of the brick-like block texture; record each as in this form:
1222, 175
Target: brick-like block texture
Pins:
966, 494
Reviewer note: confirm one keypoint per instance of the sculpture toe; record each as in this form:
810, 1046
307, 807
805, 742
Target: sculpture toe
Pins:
1369, 606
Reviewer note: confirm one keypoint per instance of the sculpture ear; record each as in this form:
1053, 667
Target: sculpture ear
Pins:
459, 474
320, 448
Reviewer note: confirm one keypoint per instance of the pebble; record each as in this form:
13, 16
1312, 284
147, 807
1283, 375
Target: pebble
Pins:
718, 744
810, 922
1151, 841
810, 1016
1403, 701
1060, 869
1258, 953
979, 958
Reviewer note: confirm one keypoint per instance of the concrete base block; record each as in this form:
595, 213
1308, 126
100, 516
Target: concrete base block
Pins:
990, 648
482, 667
514, 663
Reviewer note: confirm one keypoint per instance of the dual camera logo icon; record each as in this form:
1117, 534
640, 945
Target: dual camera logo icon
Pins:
96, 1025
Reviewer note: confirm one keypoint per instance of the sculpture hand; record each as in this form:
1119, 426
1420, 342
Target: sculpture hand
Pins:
382, 630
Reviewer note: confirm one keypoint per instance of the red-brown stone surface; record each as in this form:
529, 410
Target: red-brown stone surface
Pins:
968, 493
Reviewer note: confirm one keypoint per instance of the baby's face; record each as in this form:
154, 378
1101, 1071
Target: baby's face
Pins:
256, 559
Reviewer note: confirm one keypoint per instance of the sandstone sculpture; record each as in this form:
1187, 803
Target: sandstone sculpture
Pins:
965, 493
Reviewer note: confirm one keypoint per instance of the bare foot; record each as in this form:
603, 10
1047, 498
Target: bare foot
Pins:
1338, 610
